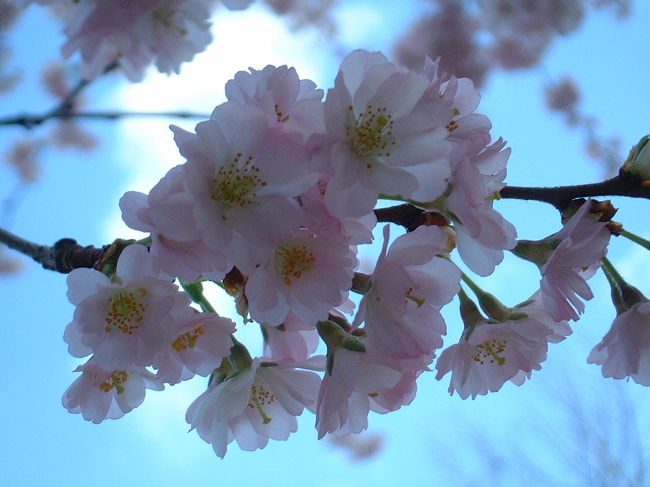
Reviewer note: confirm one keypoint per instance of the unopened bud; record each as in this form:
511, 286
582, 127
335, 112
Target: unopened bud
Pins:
638, 162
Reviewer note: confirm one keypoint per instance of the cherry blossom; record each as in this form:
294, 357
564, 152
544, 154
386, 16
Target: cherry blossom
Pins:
126, 320
290, 103
567, 259
197, 347
108, 393
408, 287
482, 233
256, 404
491, 353
625, 350
135, 34
243, 178
293, 341
167, 213
344, 397
376, 133
308, 274
451, 33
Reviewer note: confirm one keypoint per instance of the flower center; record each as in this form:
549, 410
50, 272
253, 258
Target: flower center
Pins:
260, 397
292, 259
116, 380
126, 311
415, 299
187, 340
165, 15
371, 133
282, 117
489, 351
237, 183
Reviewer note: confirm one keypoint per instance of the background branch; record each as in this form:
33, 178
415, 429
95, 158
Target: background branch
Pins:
30, 121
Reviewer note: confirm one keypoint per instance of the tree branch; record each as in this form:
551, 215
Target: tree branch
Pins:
625, 184
64, 256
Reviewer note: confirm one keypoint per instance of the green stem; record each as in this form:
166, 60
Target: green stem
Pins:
494, 308
614, 279
476, 289
195, 291
624, 295
469, 312
612, 275
636, 239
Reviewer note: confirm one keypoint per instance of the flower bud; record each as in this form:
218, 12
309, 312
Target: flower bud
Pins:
638, 162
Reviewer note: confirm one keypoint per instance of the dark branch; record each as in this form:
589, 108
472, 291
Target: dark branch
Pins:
409, 217
624, 184
64, 256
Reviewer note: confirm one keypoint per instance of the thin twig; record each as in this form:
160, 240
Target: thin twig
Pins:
30, 121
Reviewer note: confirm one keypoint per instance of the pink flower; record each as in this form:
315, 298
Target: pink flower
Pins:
108, 393
359, 379
24, 157
345, 396
357, 229
481, 232
293, 341
466, 127
566, 260
292, 104
489, 354
408, 287
135, 34
451, 34
625, 350
198, 346
243, 178
167, 213
524, 30
127, 320
256, 404
378, 130
308, 274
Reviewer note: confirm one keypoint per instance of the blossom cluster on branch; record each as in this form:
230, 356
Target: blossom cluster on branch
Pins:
278, 191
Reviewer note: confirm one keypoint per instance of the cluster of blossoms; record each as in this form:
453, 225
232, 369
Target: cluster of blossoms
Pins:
134, 34
475, 37
278, 191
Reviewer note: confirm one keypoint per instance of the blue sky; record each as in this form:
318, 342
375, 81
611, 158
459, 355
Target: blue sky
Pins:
438, 440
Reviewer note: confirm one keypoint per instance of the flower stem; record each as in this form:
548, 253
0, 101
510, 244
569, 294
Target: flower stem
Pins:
636, 239
195, 291
494, 308
624, 295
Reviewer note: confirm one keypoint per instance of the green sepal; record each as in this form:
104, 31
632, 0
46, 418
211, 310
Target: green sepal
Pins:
354, 345
240, 358
109, 264
536, 251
